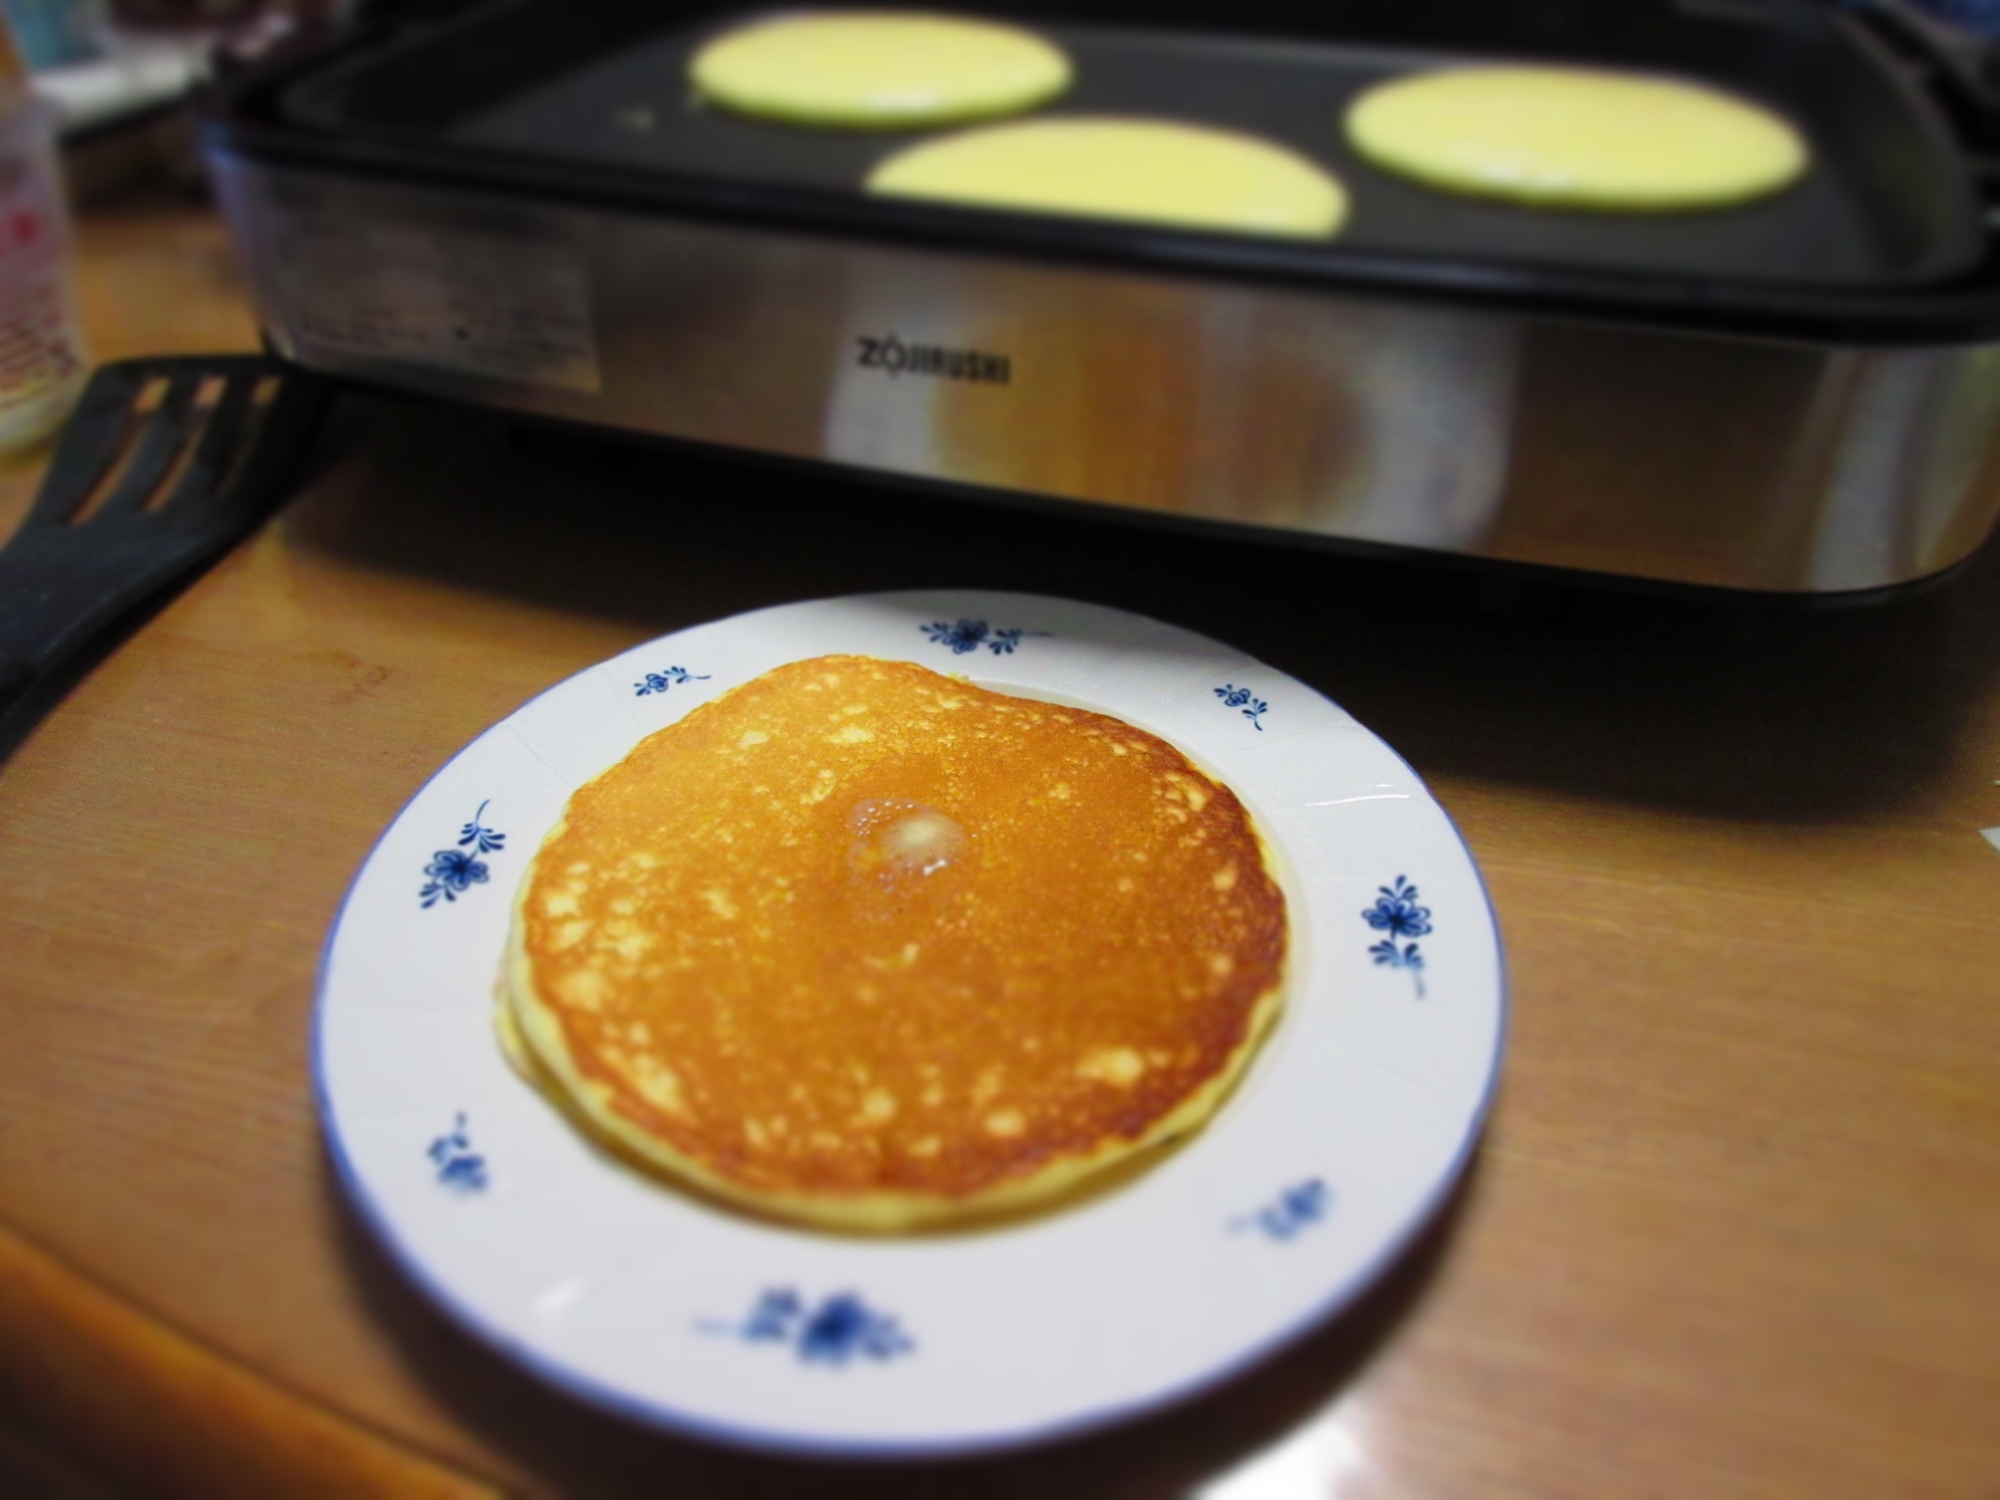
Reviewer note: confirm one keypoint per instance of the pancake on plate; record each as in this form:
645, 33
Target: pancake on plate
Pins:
1558, 137
869, 70
869, 947
1151, 171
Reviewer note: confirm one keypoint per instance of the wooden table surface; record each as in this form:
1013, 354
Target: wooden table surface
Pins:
1735, 1226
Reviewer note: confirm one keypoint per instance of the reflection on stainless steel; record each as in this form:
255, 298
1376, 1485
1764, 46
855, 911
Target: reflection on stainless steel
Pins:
1949, 406
1233, 405
1689, 457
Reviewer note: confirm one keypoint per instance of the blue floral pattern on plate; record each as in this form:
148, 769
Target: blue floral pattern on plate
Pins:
1291, 1213
970, 635
659, 682
842, 1327
1396, 912
1253, 707
459, 1167
453, 872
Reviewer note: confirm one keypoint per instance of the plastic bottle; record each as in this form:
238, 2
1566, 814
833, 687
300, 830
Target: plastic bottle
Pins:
43, 357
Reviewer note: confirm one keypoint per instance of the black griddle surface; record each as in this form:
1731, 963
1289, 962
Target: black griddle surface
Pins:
1886, 199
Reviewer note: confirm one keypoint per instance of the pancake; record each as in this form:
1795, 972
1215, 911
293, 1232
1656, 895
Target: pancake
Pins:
868, 947
863, 70
1577, 138
1149, 171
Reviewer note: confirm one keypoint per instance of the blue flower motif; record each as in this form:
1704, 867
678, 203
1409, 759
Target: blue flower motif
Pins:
970, 635
659, 682
459, 1167
841, 1328
487, 840
845, 1326
1295, 1210
774, 1316
966, 635
453, 872
1397, 913
1253, 707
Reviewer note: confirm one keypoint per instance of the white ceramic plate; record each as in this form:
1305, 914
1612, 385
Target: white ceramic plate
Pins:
1348, 1129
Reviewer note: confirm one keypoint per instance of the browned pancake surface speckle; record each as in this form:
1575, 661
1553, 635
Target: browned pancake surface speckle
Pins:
857, 927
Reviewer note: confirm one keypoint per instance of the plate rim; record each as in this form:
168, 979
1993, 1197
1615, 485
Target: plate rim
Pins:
606, 1396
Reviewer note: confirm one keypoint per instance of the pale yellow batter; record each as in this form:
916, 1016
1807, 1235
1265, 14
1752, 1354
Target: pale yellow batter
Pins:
1153, 171
862, 70
1577, 138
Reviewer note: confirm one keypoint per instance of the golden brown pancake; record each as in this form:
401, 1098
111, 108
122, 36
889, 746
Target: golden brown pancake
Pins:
871, 947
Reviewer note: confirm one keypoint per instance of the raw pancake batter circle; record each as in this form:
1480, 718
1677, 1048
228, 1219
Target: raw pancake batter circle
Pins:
1152, 171
878, 70
1558, 137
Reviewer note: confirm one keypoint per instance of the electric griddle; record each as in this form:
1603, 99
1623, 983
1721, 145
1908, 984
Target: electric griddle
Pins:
519, 203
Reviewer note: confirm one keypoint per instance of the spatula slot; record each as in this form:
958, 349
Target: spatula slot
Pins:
207, 397
148, 400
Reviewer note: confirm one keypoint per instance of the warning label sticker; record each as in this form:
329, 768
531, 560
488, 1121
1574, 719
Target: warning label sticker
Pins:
483, 304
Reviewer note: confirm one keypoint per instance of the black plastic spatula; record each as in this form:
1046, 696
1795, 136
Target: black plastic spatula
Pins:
165, 464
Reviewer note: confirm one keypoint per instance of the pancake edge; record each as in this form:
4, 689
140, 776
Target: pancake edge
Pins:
1326, 220
1425, 173
534, 1043
758, 106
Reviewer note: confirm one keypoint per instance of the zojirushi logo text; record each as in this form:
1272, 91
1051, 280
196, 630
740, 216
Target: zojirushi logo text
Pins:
896, 358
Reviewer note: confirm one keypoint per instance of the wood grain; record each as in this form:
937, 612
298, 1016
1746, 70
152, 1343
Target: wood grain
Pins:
1735, 1225
160, 1413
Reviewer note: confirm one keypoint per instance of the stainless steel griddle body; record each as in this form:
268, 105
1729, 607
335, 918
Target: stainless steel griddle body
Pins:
1802, 399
